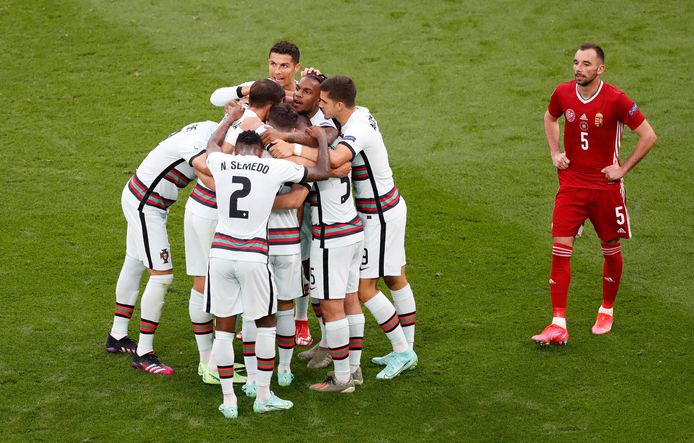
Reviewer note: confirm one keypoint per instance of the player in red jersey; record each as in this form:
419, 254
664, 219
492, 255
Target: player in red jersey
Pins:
590, 179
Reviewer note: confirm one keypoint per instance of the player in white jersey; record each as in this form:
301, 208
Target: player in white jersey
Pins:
284, 145
337, 233
283, 64
145, 200
239, 278
200, 222
285, 252
383, 212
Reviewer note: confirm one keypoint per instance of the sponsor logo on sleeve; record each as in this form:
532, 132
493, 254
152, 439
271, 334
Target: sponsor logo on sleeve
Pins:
633, 110
350, 138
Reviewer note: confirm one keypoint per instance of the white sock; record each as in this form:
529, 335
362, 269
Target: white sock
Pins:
127, 291
286, 328
249, 336
322, 342
384, 313
202, 324
151, 306
301, 309
407, 311
337, 333
356, 340
223, 350
559, 321
608, 311
265, 354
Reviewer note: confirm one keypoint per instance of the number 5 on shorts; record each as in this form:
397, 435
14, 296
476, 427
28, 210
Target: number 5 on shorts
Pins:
619, 213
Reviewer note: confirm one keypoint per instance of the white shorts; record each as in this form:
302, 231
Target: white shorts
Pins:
384, 244
198, 232
335, 271
234, 287
146, 238
286, 270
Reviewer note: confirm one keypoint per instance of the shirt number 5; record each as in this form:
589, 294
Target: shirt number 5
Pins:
584, 141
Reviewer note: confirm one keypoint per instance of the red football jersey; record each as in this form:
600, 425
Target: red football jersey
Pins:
592, 131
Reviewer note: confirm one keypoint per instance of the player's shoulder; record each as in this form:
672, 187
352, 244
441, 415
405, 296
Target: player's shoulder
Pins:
566, 88
612, 90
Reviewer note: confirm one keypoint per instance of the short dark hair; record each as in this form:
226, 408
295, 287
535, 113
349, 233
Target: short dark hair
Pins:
286, 48
341, 89
283, 117
598, 50
249, 138
320, 78
264, 92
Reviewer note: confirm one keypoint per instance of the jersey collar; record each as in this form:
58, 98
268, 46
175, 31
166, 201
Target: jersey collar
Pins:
589, 99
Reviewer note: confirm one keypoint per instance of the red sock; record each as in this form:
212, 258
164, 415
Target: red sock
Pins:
611, 273
560, 277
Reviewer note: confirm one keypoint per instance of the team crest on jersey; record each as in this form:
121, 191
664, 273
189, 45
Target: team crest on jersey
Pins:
164, 255
598, 119
570, 115
583, 126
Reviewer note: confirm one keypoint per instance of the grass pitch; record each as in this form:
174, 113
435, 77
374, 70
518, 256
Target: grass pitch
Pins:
87, 88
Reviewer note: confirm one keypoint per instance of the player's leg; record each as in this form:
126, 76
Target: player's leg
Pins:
157, 251
286, 270
198, 234
611, 220
303, 333
569, 214
394, 271
331, 272
318, 356
224, 354
356, 320
260, 305
128, 285
222, 297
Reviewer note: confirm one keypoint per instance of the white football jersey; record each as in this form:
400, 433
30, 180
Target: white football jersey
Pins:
319, 119
246, 189
374, 189
202, 202
235, 128
334, 217
167, 168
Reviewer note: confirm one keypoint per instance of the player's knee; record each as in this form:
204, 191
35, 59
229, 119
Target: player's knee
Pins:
395, 282
162, 279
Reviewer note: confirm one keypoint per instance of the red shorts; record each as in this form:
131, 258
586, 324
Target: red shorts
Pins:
606, 210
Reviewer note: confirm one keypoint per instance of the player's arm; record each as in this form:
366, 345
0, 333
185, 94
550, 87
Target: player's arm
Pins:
214, 144
559, 159
322, 169
338, 156
292, 199
206, 179
646, 141
298, 137
222, 96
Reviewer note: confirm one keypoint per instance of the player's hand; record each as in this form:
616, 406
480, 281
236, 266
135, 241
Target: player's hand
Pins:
271, 134
342, 171
233, 110
310, 70
560, 161
281, 149
317, 133
613, 172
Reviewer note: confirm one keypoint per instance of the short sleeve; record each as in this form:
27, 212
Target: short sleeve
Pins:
554, 107
629, 112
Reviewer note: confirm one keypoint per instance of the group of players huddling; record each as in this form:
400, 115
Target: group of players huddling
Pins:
294, 186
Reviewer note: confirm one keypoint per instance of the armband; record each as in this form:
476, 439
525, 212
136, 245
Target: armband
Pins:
239, 94
297, 149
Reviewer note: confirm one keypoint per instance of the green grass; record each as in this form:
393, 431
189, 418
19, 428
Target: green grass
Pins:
459, 90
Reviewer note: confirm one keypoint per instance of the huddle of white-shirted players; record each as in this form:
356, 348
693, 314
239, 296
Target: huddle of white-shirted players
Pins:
247, 231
